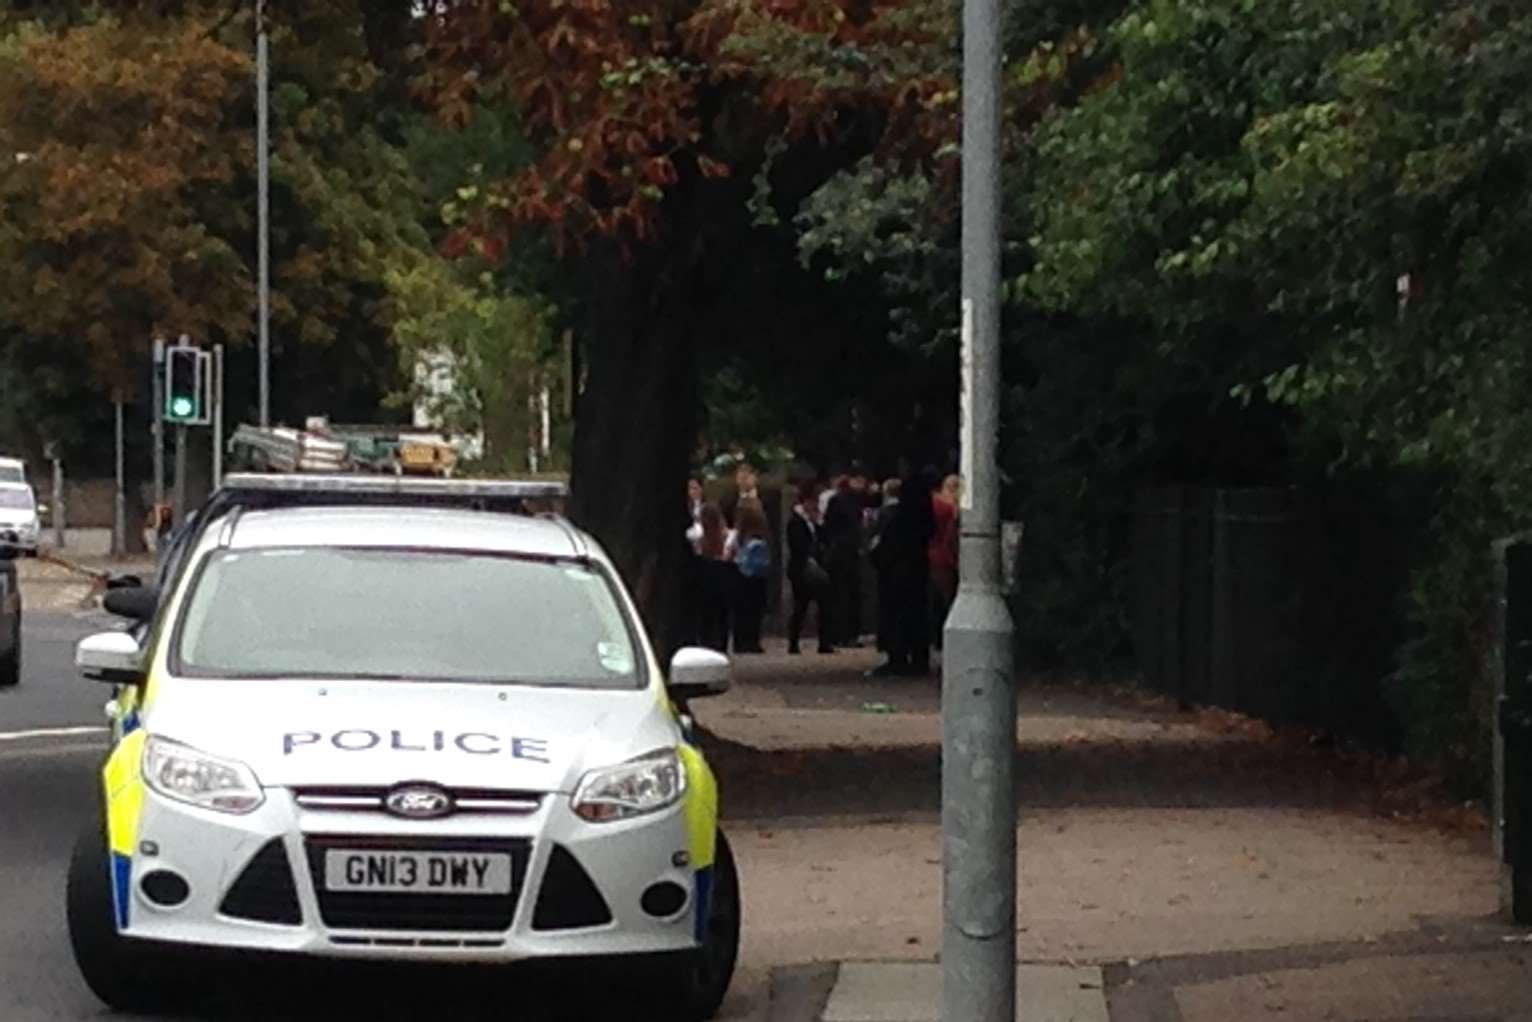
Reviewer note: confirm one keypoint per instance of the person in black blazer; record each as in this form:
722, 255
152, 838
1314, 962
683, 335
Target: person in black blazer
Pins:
904, 557
806, 572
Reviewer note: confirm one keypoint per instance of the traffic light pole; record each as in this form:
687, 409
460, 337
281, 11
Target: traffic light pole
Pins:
119, 497
216, 396
157, 420
180, 509
263, 207
978, 680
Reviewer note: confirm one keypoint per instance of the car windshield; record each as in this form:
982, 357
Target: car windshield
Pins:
12, 474
16, 497
312, 612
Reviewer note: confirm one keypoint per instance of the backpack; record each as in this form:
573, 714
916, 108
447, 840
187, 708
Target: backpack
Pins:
754, 559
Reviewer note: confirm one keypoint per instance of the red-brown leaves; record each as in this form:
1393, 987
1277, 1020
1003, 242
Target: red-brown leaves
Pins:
612, 92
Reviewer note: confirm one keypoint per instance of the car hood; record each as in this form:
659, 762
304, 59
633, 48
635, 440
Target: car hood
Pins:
17, 516
380, 733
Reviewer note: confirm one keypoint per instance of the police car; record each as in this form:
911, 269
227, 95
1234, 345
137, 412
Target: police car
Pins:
393, 719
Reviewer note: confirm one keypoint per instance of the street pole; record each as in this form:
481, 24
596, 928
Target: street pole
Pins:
157, 420
58, 501
216, 396
119, 499
180, 508
263, 205
978, 680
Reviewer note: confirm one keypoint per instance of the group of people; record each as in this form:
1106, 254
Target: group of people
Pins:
731, 556
907, 529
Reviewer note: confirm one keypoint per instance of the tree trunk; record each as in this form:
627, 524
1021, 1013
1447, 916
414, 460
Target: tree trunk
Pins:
637, 422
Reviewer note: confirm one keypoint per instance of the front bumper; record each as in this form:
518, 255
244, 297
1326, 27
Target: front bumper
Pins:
256, 883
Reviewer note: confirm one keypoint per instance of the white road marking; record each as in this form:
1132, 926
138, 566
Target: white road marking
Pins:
33, 752
50, 732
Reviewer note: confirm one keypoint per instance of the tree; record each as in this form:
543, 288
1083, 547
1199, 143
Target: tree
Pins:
116, 140
1255, 187
647, 120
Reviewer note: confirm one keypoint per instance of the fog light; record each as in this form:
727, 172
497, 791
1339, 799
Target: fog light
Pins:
664, 899
164, 888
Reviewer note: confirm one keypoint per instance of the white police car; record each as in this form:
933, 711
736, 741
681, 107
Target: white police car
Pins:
359, 725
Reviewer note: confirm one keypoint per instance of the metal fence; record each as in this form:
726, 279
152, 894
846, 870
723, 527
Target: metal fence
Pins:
1276, 602
1511, 669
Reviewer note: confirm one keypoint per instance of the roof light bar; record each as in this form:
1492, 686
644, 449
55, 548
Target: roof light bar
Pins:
396, 486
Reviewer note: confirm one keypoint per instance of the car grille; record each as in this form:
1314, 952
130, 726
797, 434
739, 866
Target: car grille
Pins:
568, 898
265, 891
464, 800
425, 942
358, 910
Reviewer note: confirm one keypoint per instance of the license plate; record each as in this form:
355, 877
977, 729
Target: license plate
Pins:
348, 869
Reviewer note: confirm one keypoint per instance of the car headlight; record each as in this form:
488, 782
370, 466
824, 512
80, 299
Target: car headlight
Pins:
647, 784
182, 773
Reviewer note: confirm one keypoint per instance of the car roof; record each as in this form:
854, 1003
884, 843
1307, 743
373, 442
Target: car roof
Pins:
403, 526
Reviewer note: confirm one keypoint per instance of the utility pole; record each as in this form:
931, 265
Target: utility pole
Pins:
216, 396
263, 204
119, 499
157, 420
58, 498
978, 679
180, 484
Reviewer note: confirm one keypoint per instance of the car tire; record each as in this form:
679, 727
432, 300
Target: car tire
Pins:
692, 989
127, 975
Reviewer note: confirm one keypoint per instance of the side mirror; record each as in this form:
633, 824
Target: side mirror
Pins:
113, 657
136, 603
697, 672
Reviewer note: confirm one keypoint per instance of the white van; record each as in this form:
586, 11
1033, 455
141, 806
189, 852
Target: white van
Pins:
20, 524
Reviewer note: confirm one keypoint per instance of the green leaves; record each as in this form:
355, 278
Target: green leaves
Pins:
117, 139
1327, 208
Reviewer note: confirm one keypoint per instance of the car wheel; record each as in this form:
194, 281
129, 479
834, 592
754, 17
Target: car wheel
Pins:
693, 989
125, 974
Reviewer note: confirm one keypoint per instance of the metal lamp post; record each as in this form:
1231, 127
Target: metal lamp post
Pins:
978, 682
263, 205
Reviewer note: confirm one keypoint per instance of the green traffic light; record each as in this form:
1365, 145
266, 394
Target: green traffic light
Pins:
181, 407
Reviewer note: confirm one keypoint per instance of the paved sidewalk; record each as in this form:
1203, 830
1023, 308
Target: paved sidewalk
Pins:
1210, 871
912, 992
65, 585
1442, 977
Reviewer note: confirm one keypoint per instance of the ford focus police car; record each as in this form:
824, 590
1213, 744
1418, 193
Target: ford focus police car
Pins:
369, 718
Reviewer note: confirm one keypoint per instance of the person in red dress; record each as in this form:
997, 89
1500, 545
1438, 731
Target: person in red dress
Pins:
943, 553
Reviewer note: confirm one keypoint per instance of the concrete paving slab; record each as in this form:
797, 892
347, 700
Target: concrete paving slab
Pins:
911, 992
1460, 987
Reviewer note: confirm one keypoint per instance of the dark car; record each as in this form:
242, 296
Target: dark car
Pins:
10, 618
